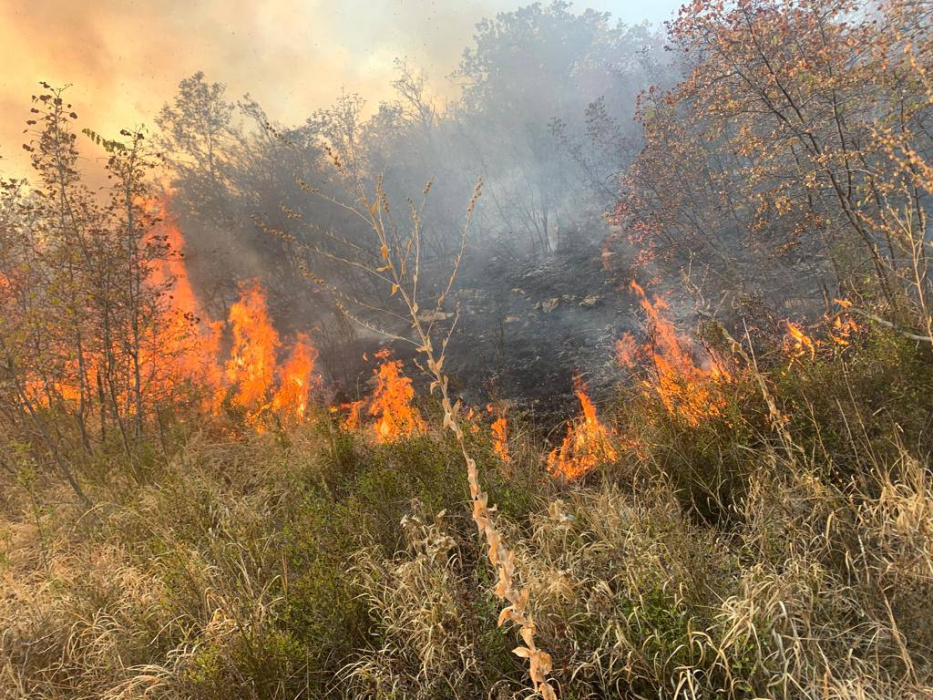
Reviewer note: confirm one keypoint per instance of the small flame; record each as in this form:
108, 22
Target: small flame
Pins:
354, 411
470, 418
843, 325
840, 329
798, 342
500, 437
587, 444
627, 350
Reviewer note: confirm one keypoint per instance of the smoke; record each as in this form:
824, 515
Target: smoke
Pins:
293, 56
542, 109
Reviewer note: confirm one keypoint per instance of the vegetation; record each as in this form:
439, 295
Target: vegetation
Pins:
314, 561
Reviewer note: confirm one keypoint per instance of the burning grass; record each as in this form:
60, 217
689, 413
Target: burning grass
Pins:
390, 409
688, 388
311, 554
330, 564
587, 444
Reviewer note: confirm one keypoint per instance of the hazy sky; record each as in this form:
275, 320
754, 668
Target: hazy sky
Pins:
125, 57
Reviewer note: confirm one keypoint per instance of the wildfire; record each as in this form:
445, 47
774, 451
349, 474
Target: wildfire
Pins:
181, 348
686, 389
188, 342
798, 342
354, 410
840, 329
254, 381
251, 368
843, 325
587, 444
296, 380
390, 404
500, 438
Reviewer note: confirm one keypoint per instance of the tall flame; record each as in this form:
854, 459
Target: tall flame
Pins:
390, 403
188, 343
251, 368
587, 444
685, 388
183, 347
296, 380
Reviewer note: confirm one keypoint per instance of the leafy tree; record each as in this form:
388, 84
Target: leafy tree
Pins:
770, 165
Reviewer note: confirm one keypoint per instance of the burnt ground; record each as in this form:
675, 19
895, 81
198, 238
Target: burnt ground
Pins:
527, 328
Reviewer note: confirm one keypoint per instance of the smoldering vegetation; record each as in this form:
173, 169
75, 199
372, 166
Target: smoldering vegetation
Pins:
608, 375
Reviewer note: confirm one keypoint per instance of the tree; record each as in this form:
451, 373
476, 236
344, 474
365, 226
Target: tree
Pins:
769, 160
197, 129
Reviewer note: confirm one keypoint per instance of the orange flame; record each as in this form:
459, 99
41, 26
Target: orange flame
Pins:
840, 329
254, 381
182, 349
354, 410
251, 368
470, 418
500, 442
587, 444
685, 388
500, 438
296, 379
189, 341
843, 325
799, 342
390, 404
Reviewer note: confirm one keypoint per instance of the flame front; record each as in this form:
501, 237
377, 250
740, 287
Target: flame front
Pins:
179, 350
251, 368
296, 379
189, 346
188, 342
587, 444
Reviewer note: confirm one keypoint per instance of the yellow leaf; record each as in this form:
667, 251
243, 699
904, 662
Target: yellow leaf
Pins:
544, 662
506, 614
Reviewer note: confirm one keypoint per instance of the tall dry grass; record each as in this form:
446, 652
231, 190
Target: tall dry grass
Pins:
313, 563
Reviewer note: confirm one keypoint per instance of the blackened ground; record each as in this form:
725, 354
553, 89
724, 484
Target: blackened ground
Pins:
526, 329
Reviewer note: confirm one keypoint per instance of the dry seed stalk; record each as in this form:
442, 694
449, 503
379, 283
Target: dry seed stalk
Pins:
500, 556
400, 268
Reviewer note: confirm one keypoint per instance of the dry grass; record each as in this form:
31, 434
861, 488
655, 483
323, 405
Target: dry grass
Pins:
312, 564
